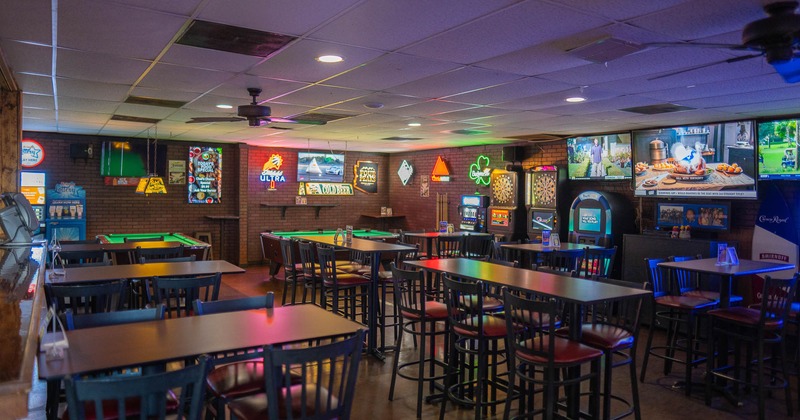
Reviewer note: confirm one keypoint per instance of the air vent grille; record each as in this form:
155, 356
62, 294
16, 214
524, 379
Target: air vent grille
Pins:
141, 100
398, 138
234, 39
605, 49
543, 137
130, 118
470, 132
319, 117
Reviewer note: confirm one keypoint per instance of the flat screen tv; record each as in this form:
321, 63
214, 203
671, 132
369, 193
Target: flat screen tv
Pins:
599, 157
320, 167
129, 158
703, 216
700, 161
777, 150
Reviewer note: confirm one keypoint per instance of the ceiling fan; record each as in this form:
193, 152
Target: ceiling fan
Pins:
255, 114
776, 37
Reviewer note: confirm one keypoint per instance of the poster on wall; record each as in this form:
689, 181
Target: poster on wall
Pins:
32, 153
205, 175
424, 187
177, 172
366, 176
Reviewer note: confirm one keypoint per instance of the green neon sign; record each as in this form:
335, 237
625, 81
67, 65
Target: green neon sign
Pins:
480, 172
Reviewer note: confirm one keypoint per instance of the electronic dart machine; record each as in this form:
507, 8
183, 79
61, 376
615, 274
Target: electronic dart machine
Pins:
543, 191
473, 212
507, 212
600, 218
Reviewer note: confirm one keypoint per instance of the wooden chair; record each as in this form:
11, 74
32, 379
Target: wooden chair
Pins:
350, 288
327, 390
179, 293
87, 298
596, 263
120, 397
478, 246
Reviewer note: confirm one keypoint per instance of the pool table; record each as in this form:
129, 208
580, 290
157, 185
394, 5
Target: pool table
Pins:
271, 247
191, 245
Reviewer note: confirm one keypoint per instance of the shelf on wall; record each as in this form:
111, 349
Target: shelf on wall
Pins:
283, 207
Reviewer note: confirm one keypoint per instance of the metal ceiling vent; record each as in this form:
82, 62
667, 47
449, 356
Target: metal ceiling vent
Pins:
538, 137
605, 49
398, 138
234, 39
470, 132
657, 109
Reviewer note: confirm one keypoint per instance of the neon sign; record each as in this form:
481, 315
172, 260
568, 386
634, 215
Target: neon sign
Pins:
366, 176
480, 172
441, 172
271, 172
405, 172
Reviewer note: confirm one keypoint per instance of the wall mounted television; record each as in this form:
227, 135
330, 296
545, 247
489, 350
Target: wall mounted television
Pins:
320, 167
599, 157
703, 216
777, 149
129, 158
701, 161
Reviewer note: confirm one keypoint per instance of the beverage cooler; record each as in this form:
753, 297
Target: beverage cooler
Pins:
473, 212
66, 212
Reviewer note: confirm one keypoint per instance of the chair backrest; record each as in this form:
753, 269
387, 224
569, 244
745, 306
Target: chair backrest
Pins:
409, 292
308, 261
624, 313
657, 277
450, 246
158, 253
537, 336
403, 256
231, 305
87, 298
130, 395
177, 294
80, 242
76, 322
684, 280
478, 246
290, 258
514, 263
327, 263
329, 372
147, 239
777, 296
596, 263
79, 258
560, 261
464, 302
188, 258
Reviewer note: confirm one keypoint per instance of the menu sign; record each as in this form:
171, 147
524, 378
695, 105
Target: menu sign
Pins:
205, 175
366, 176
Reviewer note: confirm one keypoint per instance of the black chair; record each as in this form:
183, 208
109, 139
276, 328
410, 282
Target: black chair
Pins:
292, 271
177, 294
150, 254
81, 242
84, 258
312, 277
87, 298
418, 317
596, 263
147, 239
687, 283
238, 374
756, 329
386, 282
350, 288
558, 261
76, 322
536, 355
120, 397
478, 246
450, 246
188, 258
329, 375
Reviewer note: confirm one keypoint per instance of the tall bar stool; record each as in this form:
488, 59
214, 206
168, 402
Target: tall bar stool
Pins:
475, 338
312, 278
675, 311
596, 263
418, 317
386, 282
753, 328
292, 271
348, 287
688, 283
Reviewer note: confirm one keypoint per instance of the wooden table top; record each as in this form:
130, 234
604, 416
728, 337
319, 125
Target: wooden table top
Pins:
438, 234
565, 247
138, 271
566, 288
123, 246
364, 245
119, 346
745, 267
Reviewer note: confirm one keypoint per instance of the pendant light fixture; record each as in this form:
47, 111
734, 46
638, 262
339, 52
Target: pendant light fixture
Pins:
152, 183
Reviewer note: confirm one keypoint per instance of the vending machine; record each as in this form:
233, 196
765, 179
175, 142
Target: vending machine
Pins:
506, 211
543, 190
66, 212
32, 186
473, 212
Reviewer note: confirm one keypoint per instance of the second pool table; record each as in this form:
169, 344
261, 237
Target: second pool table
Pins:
191, 245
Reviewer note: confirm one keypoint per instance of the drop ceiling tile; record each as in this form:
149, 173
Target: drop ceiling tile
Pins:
91, 89
113, 28
367, 25
271, 88
621, 9
67, 103
512, 118
681, 21
391, 70
38, 114
166, 76
592, 106
36, 124
24, 20
363, 120
79, 128
291, 18
521, 26
427, 108
178, 7
470, 116
739, 99
554, 99
79, 117
28, 58
37, 101
736, 86
322, 95
453, 82
145, 111
35, 84
388, 100
515, 89
204, 58
98, 67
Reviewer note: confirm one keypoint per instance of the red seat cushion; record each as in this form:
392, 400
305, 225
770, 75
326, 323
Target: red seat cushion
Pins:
794, 311
351, 267
707, 294
565, 353
493, 327
433, 310
489, 303
133, 407
255, 406
684, 302
238, 379
603, 336
349, 279
745, 316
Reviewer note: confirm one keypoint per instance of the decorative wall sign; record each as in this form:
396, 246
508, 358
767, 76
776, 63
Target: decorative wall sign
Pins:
271, 171
115, 181
480, 172
366, 176
405, 172
205, 174
441, 170
176, 172
424, 186
32, 153
324, 188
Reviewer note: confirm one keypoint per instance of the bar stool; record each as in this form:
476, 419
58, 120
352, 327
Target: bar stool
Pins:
596, 263
386, 282
680, 311
292, 271
688, 283
450, 246
418, 317
753, 328
349, 287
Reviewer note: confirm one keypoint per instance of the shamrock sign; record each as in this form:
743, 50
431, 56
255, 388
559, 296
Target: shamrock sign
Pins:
480, 171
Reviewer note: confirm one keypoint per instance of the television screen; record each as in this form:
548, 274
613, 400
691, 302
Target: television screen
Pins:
320, 167
777, 149
205, 175
705, 216
543, 220
589, 219
600, 157
707, 160
129, 158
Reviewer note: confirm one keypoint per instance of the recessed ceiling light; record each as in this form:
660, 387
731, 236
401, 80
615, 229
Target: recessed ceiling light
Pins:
329, 59
224, 106
575, 99
373, 105
414, 124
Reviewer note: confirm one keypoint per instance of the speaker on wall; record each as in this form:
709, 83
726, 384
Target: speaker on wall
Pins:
80, 151
513, 153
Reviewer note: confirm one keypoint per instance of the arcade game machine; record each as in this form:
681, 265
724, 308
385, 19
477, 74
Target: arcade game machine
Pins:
600, 218
473, 212
506, 212
544, 188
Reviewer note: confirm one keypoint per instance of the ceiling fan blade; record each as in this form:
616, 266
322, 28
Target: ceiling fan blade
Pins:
790, 70
196, 120
291, 121
702, 66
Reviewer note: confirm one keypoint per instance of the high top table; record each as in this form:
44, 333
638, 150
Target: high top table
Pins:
430, 236
727, 272
535, 249
137, 271
374, 249
154, 342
